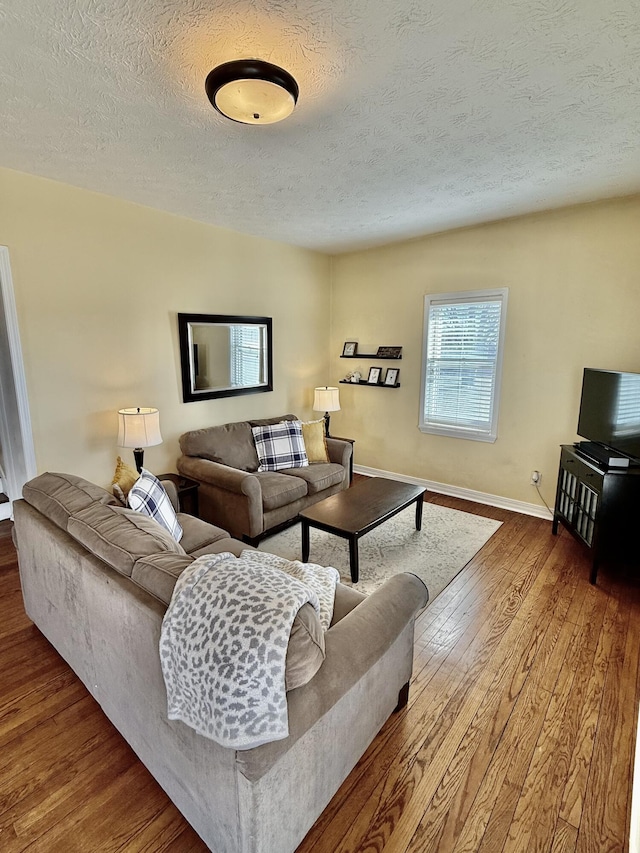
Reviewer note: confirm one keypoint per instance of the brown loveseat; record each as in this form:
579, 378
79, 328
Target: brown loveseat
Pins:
96, 579
248, 502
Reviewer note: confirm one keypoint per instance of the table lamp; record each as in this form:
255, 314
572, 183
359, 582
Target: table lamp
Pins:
138, 428
326, 400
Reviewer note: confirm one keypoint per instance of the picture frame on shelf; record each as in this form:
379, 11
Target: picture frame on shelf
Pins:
374, 376
389, 352
391, 376
350, 348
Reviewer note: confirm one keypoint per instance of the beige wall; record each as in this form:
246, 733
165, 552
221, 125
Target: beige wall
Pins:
574, 301
98, 283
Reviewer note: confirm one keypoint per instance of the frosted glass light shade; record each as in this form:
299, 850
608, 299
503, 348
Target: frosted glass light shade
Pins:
252, 91
139, 427
326, 400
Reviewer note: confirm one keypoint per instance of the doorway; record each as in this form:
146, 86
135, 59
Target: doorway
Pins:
17, 455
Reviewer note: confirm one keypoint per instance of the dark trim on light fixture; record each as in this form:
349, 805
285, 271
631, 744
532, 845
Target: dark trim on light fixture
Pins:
248, 69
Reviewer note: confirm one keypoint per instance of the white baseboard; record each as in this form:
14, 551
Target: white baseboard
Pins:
458, 492
6, 510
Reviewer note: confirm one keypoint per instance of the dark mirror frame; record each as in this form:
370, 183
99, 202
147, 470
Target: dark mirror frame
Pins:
189, 394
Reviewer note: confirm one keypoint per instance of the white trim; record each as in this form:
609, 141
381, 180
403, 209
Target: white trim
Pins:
29, 469
458, 492
6, 510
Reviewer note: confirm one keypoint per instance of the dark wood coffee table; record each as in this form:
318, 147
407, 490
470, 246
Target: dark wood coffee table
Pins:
357, 510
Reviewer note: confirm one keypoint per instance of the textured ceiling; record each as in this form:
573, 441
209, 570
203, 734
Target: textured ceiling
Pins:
414, 115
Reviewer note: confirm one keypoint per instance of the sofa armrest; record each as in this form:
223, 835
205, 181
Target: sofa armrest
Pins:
353, 645
358, 640
222, 476
339, 451
172, 491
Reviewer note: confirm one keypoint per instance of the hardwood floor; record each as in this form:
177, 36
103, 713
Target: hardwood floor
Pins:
519, 734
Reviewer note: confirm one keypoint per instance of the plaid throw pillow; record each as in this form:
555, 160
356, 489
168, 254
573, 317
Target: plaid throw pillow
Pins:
147, 495
280, 446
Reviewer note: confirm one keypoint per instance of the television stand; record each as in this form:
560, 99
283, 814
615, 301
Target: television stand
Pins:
600, 506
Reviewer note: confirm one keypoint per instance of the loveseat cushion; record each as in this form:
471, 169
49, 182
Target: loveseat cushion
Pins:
228, 444
280, 446
276, 420
59, 496
315, 440
318, 476
279, 490
120, 536
197, 534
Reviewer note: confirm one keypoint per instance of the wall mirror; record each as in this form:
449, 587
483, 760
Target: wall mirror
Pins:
224, 355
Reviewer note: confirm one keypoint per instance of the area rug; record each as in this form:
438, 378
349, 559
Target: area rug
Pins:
448, 540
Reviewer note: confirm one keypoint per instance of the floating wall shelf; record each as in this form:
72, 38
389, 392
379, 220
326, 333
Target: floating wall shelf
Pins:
370, 384
374, 355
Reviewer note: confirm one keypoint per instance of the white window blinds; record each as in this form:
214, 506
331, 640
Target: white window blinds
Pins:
462, 356
247, 365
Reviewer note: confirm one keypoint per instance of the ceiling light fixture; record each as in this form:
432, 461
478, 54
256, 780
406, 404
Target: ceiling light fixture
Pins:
252, 91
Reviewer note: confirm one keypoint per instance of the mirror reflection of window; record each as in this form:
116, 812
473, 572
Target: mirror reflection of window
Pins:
247, 350
627, 407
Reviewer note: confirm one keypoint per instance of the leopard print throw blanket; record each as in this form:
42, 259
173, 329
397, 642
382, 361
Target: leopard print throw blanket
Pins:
224, 639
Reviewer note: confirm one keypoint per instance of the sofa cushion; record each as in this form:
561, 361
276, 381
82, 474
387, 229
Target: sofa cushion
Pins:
147, 495
315, 441
269, 421
158, 573
306, 649
278, 490
319, 476
232, 546
228, 444
123, 479
59, 496
120, 536
280, 446
197, 534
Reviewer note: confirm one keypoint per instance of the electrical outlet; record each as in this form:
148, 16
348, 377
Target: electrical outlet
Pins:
536, 477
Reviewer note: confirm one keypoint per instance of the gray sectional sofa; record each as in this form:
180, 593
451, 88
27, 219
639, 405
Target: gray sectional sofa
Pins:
96, 580
243, 500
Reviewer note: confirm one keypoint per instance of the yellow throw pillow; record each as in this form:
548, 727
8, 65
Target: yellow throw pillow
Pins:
124, 478
314, 441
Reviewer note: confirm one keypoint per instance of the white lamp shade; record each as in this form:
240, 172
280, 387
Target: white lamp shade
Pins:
326, 400
139, 427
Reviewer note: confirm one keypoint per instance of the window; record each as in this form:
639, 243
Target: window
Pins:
462, 362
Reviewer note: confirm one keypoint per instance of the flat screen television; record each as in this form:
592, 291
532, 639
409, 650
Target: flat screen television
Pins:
610, 410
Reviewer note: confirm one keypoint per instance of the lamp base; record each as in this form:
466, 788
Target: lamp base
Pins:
138, 455
327, 418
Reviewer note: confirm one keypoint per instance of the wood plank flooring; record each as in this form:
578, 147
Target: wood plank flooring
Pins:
519, 734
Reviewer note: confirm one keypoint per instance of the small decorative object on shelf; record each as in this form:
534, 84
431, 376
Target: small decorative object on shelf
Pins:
391, 376
389, 352
353, 376
374, 375
350, 349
